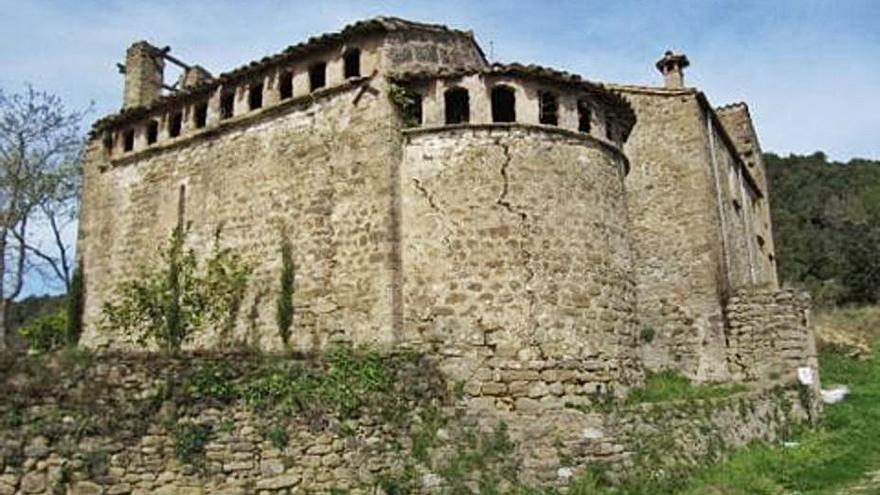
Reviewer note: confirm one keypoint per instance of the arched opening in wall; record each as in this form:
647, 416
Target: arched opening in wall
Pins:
200, 115
352, 63
227, 104
108, 142
255, 96
584, 116
503, 104
128, 140
458, 106
175, 123
285, 85
548, 110
411, 109
152, 132
317, 76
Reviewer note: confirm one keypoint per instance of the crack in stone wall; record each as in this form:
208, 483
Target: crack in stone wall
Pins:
445, 220
527, 256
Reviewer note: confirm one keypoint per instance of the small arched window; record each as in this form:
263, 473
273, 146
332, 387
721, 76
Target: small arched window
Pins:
152, 132
352, 63
503, 104
175, 124
317, 76
285, 85
458, 107
128, 140
255, 96
583, 116
549, 108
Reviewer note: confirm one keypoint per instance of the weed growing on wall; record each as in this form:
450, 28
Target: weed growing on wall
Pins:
407, 102
284, 309
190, 440
167, 303
277, 436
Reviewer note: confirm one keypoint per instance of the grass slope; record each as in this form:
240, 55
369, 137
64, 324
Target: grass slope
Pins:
824, 461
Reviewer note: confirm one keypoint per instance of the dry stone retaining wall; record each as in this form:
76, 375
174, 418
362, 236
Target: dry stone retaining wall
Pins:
137, 424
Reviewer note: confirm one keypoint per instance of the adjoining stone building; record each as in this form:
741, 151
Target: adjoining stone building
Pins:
503, 217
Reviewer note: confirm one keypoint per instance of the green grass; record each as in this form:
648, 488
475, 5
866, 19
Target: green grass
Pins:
824, 461
669, 385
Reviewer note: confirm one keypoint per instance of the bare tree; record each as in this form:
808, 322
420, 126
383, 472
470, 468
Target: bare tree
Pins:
40, 151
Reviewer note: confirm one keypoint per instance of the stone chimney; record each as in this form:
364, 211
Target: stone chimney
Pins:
144, 71
672, 67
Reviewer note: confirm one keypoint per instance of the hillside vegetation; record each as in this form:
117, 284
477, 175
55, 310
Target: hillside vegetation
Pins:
826, 222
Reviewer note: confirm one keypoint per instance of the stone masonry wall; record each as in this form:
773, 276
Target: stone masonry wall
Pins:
421, 49
137, 424
738, 124
516, 259
315, 168
675, 236
770, 335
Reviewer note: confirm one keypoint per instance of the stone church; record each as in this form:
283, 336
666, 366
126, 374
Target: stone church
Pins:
523, 224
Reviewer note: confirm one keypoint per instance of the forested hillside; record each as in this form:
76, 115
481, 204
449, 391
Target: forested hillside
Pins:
826, 218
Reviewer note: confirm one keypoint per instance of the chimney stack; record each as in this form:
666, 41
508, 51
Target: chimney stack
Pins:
672, 67
144, 72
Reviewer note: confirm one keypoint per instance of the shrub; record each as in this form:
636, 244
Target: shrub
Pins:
46, 333
74, 302
284, 314
168, 303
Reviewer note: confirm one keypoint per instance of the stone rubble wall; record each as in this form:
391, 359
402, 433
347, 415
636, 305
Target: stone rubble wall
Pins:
770, 335
698, 228
109, 427
318, 172
515, 259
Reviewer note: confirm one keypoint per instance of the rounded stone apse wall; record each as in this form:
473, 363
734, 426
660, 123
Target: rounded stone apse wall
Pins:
515, 262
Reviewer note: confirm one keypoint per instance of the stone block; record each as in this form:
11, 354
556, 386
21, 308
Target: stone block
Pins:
88, 488
279, 482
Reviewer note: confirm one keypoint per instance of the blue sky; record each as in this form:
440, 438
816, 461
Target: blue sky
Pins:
809, 70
